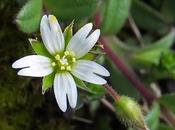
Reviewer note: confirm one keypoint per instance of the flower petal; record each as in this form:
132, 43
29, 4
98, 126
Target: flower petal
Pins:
31, 60
84, 48
60, 91
79, 38
46, 34
71, 90
89, 71
33, 65
35, 72
92, 67
51, 34
56, 33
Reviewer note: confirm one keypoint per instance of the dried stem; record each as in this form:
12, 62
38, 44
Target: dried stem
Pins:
108, 104
136, 31
168, 116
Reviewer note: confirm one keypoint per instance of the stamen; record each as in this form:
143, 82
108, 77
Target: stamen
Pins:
53, 64
63, 62
73, 59
57, 57
66, 53
62, 68
68, 68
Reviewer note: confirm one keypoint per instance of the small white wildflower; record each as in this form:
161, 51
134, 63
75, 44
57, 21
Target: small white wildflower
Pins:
66, 60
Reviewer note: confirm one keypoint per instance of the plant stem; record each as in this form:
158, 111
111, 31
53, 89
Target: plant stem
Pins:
112, 92
108, 104
136, 31
132, 77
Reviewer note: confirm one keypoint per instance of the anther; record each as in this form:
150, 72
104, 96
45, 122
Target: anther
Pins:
62, 68
66, 53
53, 64
68, 68
73, 59
57, 57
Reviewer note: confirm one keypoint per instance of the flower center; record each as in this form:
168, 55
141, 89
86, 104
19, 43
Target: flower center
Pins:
63, 62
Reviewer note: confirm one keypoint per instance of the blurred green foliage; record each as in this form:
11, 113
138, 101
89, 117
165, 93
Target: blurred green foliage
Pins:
22, 105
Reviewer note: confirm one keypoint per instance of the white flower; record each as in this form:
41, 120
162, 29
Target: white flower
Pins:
66, 61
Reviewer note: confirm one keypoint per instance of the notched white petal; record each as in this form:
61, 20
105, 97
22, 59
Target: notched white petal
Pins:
89, 71
79, 37
31, 60
60, 91
51, 34
81, 43
57, 34
46, 34
33, 65
88, 44
35, 72
71, 90
88, 77
93, 67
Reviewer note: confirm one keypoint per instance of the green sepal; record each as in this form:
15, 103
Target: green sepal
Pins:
47, 82
68, 32
89, 56
39, 48
96, 89
81, 84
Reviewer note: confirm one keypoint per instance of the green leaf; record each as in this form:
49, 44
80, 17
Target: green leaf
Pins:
165, 42
39, 48
28, 18
147, 18
71, 9
68, 32
164, 127
152, 119
168, 101
150, 55
47, 82
168, 10
115, 15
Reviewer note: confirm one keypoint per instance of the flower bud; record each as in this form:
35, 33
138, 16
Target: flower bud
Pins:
129, 113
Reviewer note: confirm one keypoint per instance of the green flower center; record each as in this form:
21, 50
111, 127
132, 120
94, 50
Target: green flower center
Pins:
63, 62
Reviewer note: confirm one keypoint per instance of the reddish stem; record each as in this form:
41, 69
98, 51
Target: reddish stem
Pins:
112, 92
130, 74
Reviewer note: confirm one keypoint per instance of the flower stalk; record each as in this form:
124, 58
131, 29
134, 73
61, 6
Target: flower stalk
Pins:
112, 92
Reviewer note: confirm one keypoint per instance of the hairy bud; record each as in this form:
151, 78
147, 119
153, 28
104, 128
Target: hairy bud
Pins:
129, 113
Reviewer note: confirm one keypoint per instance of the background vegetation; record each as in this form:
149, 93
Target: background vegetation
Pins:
139, 32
